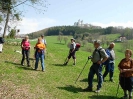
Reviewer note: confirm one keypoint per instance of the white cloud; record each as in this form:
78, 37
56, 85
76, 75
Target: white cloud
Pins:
124, 24
28, 25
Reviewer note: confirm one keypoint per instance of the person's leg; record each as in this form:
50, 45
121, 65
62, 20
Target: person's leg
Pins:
90, 79
130, 87
23, 57
111, 71
27, 57
107, 67
68, 58
98, 70
37, 60
123, 86
74, 58
1, 47
42, 62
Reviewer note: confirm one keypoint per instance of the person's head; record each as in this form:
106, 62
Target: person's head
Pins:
111, 46
39, 40
97, 43
128, 53
42, 36
72, 40
26, 37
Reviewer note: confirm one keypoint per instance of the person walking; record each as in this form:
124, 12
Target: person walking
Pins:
1, 44
25, 45
126, 74
39, 53
109, 64
99, 56
43, 40
71, 52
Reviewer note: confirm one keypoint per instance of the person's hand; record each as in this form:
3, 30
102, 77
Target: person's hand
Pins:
89, 57
99, 62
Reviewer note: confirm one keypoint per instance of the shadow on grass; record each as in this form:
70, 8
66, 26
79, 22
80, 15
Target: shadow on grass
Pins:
12, 63
102, 97
71, 88
86, 80
58, 65
60, 43
18, 65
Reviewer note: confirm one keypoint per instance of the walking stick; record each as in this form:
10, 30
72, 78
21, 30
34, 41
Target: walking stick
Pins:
81, 71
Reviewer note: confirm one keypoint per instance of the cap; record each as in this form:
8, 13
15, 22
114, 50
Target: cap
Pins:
72, 39
42, 35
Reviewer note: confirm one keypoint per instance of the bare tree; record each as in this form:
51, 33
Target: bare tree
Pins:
65, 39
60, 38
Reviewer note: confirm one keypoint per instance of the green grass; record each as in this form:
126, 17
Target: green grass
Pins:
58, 82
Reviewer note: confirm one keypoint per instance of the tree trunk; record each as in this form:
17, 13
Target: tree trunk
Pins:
6, 24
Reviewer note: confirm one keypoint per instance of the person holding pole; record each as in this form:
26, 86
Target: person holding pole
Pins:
99, 56
71, 52
109, 64
126, 74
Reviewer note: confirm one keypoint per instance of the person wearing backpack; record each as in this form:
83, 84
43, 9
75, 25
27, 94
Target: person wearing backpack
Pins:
1, 44
25, 45
98, 57
39, 53
109, 64
71, 52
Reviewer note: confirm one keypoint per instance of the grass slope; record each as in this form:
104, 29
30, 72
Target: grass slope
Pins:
58, 82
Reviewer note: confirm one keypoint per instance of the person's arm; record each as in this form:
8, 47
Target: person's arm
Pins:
130, 69
104, 56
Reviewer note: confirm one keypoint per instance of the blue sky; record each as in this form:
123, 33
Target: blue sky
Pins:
65, 12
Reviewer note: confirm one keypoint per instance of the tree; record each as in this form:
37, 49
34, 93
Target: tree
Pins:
60, 38
12, 34
9, 10
65, 39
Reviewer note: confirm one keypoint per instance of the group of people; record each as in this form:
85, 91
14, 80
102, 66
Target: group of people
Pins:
40, 49
106, 57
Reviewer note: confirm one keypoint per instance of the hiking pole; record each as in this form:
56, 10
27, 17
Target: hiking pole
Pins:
117, 89
81, 71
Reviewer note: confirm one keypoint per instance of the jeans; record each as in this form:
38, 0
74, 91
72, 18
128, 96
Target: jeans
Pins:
25, 53
109, 68
41, 56
95, 69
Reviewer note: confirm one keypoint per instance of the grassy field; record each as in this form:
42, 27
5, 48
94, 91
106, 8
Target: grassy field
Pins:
57, 82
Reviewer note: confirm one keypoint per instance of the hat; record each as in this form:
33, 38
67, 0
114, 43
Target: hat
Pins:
72, 39
42, 35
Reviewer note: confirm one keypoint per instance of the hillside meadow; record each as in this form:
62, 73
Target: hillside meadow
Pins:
58, 81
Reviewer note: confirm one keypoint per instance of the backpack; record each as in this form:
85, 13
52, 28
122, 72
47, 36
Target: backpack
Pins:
109, 54
77, 46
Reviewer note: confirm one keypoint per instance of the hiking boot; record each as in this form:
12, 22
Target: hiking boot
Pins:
43, 70
88, 89
65, 63
112, 80
74, 64
97, 91
22, 64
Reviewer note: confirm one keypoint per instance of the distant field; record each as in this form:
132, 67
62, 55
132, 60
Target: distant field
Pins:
58, 82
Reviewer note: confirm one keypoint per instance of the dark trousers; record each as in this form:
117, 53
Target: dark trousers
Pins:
95, 69
25, 53
126, 83
109, 68
72, 55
